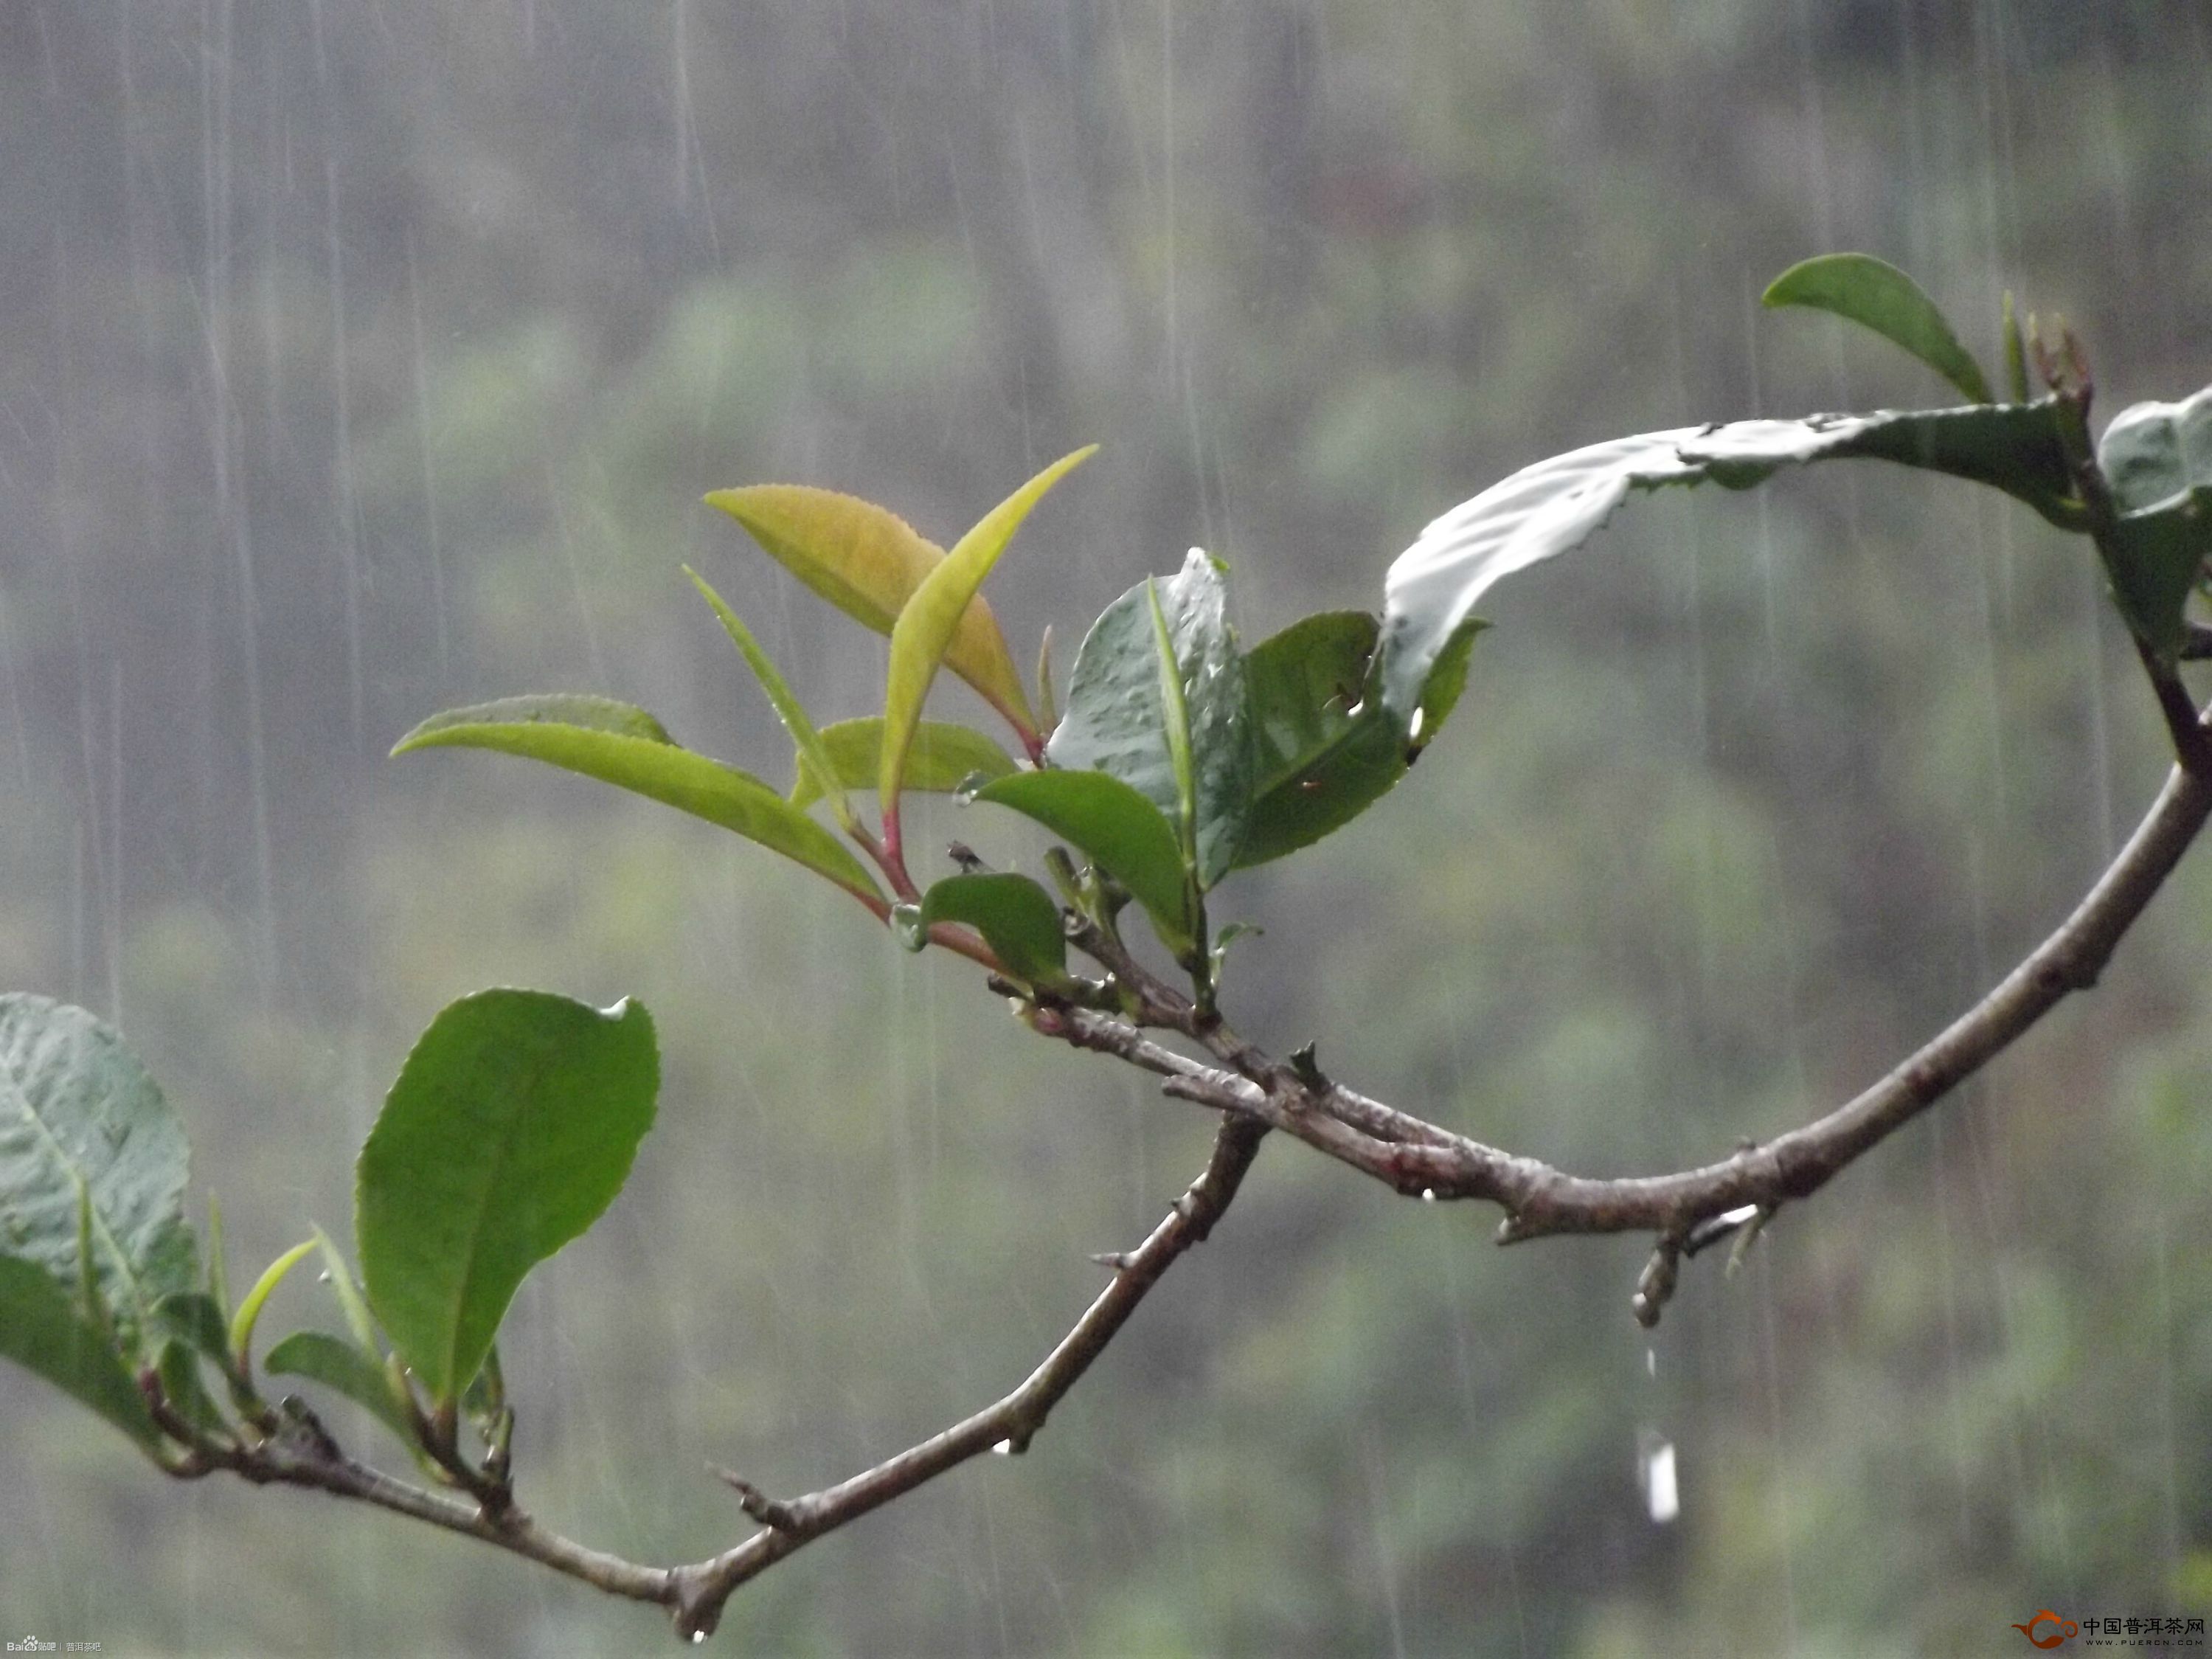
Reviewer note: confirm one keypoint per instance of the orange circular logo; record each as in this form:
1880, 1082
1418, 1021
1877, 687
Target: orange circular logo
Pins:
2048, 1629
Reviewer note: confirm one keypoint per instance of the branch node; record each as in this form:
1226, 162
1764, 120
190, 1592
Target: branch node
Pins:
1655, 1287
1715, 1228
1117, 1260
769, 1512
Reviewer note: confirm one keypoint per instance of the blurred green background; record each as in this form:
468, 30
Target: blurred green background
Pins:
356, 360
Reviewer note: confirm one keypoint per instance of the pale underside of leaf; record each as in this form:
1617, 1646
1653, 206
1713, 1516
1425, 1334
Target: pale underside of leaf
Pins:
1555, 505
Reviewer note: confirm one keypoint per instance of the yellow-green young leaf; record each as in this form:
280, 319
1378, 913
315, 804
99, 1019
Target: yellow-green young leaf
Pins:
939, 760
617, 751
925, 628
868, 561
787, 707
249, 1311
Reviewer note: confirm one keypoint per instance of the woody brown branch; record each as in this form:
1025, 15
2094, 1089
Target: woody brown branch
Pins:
1415, 1157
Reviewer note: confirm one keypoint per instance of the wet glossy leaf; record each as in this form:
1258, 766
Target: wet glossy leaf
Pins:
796, 722
81, 1123
1545, 509
1115, 828
1016, 918
868, 561
45, 1330
345, 1368
940, 759
618, 749
926, 627
1876, 295
511, 1128
2157, 458
1118, 716
1324, 749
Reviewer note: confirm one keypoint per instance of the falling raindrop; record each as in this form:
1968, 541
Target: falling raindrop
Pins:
1662, 1494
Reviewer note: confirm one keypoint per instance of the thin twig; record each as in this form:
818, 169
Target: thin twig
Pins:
701, 1590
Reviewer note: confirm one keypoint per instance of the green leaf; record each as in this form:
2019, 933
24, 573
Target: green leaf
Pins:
868, 562
1876, 295
926, 626
619, 747
346, 1369
179, 1369
2157, 460
1324, 750
787, 707
43, 1330
1555, 505
941, 758
1016, 918
511, 1128
351, 1303
80, 1120
1117, 830
193, 1318
2015, 354
249, 1311
1118, 718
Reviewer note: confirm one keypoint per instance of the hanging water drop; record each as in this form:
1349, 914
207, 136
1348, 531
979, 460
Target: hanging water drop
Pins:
1662, 1493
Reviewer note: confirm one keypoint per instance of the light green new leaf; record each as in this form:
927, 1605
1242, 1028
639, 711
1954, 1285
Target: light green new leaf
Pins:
43, 1330
249, 1311
1876, 295
351, 1303
1555, 505
1117, 830
1121, 718
938, 761
868, 561
787, 707
925, 628
512, 1127
344, 1368
617, 744
1016, 918
86, 1142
